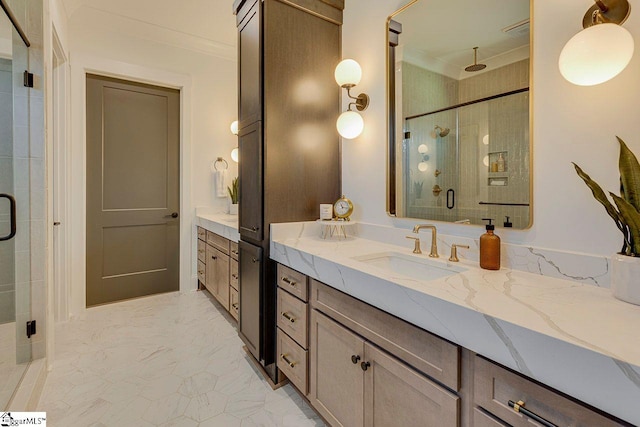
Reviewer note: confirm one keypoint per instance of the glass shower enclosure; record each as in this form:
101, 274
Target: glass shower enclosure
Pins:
15, 203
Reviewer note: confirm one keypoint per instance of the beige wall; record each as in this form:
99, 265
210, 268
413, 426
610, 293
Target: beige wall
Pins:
570, 123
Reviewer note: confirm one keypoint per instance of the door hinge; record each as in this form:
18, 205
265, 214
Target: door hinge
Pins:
28, 79
31, 328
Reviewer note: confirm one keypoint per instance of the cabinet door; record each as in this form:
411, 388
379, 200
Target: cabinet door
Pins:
336, 382
250, 172
222, 279
249, 64
397, 395
249, 294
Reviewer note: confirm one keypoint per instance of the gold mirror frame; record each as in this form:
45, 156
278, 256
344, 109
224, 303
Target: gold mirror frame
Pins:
391, 117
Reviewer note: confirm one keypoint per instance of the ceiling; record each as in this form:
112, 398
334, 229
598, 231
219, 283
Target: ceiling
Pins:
203, 20
444, 33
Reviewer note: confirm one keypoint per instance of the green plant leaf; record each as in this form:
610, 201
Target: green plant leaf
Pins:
600, 196
629, 175
632, 218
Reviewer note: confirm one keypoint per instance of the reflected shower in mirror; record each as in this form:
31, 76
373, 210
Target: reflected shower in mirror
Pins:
459, 119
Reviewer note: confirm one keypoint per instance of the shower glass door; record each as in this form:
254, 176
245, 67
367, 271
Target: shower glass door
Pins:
15, 266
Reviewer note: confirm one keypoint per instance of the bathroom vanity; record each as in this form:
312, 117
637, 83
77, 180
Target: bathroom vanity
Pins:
470, 347
217, 246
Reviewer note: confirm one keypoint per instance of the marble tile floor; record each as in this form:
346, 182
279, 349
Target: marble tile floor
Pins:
166, 360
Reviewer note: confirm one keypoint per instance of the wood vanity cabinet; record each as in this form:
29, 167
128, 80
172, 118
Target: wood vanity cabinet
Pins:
495, 386
354, 382
216, 267
293, 326
288, 102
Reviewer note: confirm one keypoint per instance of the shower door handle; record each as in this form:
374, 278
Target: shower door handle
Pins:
451, 202
12, 207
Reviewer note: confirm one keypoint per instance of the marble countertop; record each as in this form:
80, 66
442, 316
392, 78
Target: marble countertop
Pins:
222, 224
574, 337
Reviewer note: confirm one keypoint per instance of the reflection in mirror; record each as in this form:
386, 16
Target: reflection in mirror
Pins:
459, 148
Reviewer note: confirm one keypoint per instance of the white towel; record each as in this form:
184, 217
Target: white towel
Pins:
221, 183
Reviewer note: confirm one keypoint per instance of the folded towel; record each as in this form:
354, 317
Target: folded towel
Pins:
220, 183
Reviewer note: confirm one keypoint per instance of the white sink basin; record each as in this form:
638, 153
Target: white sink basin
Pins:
410, 266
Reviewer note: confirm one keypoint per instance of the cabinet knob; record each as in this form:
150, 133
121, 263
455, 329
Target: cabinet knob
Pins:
355, 359
255, 228
214, 257
365, 365
254, 259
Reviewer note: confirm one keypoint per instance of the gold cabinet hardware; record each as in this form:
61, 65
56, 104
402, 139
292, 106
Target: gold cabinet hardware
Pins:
288, 281
289, 317
286, 359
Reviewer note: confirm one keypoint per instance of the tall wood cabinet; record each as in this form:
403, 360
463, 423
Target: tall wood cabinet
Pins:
289, 148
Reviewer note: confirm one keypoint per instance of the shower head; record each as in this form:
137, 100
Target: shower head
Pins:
475, 67
441, 132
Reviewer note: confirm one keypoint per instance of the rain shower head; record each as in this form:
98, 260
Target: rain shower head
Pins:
475, 67
441, 132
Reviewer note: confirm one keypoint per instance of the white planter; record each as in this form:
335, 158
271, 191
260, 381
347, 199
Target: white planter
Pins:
233, 209
625, 278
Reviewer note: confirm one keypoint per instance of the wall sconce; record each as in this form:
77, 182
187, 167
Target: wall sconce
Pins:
234, 130
603, 49
350, 123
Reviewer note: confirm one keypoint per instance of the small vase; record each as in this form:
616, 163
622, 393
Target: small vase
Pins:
625, 278
233, 209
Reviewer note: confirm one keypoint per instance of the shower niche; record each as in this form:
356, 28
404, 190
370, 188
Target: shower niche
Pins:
459, 112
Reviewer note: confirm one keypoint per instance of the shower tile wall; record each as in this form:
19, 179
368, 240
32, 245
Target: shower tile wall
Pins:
460, 157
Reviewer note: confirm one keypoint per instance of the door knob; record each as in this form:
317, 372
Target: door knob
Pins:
174, 215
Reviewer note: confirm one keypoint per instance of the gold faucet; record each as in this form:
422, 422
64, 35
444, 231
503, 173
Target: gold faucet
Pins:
434, 241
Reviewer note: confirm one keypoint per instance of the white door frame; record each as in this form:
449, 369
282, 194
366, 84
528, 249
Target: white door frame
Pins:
81, 65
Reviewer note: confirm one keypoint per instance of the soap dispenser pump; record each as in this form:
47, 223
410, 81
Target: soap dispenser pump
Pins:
489, 248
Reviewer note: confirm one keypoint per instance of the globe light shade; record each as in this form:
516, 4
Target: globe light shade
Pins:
485, 139
423, 166
234, 154
596, 54
422, 148
350, 124
234, 127
348, 73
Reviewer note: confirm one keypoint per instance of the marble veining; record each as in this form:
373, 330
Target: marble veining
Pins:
222, 224
569, 334
165, 360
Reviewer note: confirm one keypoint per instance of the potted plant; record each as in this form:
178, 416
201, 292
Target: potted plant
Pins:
625, 265
234, 195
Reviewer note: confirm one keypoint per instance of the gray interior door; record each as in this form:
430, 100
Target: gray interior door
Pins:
133, 199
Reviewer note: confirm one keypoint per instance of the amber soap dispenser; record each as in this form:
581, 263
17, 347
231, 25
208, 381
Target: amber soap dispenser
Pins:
489, 248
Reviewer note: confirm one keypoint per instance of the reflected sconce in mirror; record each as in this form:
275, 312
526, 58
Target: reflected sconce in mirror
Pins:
234, 130
603, 49
350, 123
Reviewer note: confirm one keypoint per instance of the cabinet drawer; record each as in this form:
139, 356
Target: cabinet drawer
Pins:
495, 386
292, 317
202, 234
293, 282
233, 271
201, 271
234, 303
426, 352
482, 419
219, 242
202, 251
292, 361
233, 248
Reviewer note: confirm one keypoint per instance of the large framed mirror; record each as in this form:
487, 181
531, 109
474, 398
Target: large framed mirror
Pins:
459, 119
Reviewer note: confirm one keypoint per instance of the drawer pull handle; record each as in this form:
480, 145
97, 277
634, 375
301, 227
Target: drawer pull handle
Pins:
235, 306
200, 251
200, 272
355, 359
214, 257
234, 252
254, 260
289, 317
234, 276
290, 363
519, 408
365, 365
288, 281
255, 228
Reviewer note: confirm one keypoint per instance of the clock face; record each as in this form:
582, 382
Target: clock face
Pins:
343, 207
